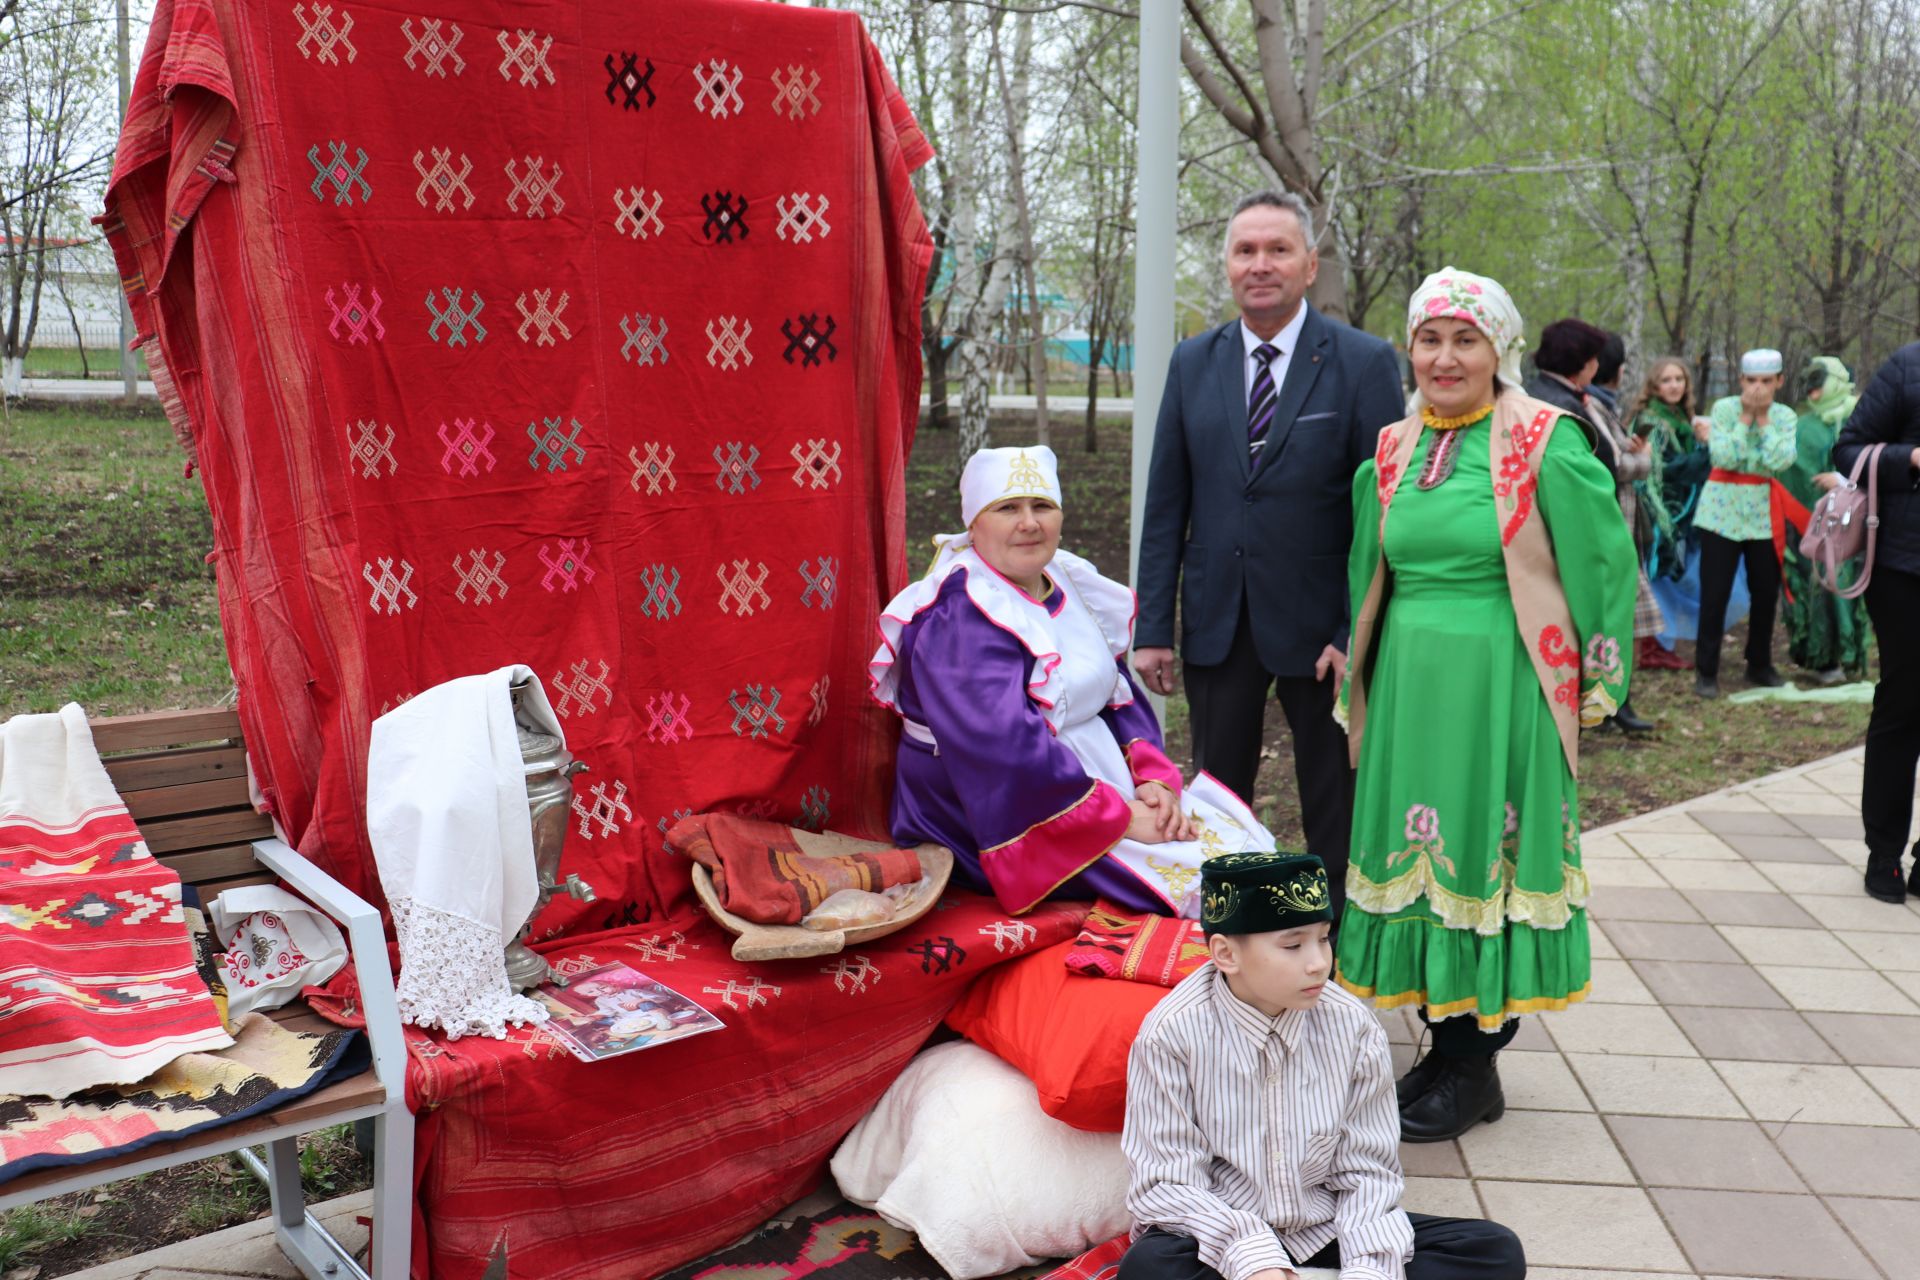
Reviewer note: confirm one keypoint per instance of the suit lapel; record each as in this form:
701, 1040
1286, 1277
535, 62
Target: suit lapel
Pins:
1230, 373
1303, 370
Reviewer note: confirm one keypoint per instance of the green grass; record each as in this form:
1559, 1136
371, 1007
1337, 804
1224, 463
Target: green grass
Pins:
30, 1230
105, 596
64, 362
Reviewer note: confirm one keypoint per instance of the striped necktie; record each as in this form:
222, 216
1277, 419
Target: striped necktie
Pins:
1261, 400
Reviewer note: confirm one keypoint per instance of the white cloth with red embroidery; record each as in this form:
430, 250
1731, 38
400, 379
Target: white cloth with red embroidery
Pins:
275, 944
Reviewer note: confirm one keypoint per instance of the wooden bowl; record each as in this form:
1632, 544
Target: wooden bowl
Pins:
797, 942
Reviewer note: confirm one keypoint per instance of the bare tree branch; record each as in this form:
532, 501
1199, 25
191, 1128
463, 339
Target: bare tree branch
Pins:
998, 6
1218, 48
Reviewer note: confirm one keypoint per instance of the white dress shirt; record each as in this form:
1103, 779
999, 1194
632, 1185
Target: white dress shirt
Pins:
1284, 341
1266, 1138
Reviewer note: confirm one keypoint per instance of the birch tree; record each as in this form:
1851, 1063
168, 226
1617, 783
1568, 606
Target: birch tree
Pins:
56, 104
982, 225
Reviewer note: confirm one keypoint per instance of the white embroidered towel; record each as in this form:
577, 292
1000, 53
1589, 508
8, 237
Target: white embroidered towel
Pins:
274, 945
453, 841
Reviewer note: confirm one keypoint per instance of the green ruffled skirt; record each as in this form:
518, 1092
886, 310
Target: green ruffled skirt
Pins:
1466, 893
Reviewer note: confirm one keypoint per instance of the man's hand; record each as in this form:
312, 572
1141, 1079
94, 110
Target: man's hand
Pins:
1156, 669
1331, 659
1916, 460
1170, 822
1754, 403
1637, 444
1829, 480
1276, 1273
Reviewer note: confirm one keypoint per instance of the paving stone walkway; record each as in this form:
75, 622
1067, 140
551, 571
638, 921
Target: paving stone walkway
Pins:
1737, 1100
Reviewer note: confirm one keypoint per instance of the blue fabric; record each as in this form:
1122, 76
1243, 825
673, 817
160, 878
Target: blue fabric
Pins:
1680, 601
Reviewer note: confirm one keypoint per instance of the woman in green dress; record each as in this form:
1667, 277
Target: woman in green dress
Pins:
1825, 634
1494, 584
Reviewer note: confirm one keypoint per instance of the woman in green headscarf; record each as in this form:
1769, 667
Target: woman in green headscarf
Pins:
1825, 634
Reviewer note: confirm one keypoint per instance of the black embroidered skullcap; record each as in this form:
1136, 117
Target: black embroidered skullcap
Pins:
1263, 892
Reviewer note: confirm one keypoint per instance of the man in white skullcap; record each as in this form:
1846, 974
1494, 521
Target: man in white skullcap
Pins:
1753, 441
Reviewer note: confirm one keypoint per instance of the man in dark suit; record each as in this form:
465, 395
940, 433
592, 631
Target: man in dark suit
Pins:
1250, 516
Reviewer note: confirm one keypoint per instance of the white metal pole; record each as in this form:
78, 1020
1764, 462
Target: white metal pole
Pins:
1158, 168
129, 375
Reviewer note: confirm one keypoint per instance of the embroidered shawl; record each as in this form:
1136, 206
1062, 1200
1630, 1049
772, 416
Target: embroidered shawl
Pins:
1575, 685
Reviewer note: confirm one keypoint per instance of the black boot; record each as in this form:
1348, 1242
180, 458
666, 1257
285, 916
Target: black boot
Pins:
1764, 678
1419, 1079
1913, 881
1883, 878
1467, 1092
1627, 722
1706, 687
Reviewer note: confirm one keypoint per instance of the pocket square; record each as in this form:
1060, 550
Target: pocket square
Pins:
1315, 417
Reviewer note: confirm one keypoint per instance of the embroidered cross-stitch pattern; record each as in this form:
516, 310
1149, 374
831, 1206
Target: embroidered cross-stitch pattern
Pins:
320, 38
660, 592
525, 56
442, 180
580, 691
810, 341
434, 50
629, 81
466, 447
480, 582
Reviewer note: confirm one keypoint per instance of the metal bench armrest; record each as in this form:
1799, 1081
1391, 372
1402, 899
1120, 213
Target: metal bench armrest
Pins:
367, 938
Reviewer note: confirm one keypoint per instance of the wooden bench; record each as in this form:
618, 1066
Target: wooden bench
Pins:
183, 775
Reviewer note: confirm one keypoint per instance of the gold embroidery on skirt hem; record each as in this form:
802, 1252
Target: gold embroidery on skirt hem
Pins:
1485, 916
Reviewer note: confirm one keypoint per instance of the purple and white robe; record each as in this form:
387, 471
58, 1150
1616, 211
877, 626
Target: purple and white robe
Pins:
1025, 738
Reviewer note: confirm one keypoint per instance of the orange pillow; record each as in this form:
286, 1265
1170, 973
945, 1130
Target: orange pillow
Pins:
1068, 1034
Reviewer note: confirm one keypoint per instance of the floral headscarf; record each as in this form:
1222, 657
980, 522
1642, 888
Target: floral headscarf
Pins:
1452, 294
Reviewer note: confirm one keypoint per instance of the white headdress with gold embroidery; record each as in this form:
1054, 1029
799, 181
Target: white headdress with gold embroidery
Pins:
994, 474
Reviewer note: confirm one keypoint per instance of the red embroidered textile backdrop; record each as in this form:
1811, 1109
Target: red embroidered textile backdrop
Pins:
582, 334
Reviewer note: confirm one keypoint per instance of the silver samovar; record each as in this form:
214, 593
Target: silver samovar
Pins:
549, 771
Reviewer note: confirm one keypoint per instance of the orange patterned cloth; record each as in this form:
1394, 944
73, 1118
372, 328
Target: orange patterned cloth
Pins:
1114, 943
761, 874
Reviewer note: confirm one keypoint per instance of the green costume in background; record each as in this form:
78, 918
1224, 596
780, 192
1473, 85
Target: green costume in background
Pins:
1671, 490
1824, 632
1466, 892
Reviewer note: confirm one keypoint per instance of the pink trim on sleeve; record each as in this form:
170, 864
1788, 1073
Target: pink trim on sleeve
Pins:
1024, 870
1149, 763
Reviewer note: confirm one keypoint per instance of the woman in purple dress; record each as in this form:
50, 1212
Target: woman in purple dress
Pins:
1027, 748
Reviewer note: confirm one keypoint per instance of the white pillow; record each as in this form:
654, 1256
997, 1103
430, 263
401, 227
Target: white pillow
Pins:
959, 1152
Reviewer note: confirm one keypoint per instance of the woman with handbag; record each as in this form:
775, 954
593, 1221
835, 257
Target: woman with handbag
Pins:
1826, 633
1889, 414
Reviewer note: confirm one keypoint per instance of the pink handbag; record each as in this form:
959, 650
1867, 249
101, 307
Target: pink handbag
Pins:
1843, 525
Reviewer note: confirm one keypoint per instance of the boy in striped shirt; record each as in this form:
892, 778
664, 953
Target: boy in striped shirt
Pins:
1262, 1130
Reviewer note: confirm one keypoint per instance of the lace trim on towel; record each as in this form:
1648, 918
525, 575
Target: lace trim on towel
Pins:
453, 975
